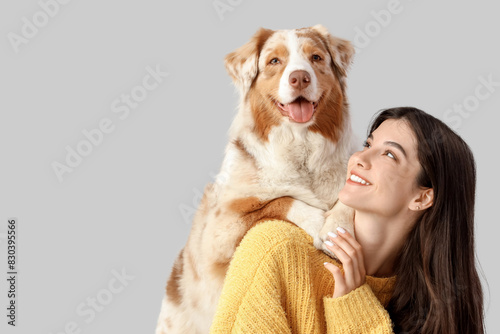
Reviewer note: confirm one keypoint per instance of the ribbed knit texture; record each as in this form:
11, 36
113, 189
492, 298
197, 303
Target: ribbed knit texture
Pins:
277, 283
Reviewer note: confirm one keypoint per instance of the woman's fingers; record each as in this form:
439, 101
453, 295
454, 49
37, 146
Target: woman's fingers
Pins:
354, 244
349, 252
347, 255
340, 285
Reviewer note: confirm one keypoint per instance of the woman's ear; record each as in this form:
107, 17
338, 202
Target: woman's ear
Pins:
423, 200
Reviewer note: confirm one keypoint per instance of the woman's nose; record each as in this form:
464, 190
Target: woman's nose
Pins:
362, 159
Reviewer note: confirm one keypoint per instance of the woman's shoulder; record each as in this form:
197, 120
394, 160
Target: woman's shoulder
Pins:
271, 234
275, 230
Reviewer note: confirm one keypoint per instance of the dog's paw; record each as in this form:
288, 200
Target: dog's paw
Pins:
340, 216
334, 221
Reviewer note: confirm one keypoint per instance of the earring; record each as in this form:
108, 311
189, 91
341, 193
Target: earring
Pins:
418, 208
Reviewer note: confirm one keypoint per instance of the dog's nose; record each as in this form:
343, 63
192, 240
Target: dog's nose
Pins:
299, 79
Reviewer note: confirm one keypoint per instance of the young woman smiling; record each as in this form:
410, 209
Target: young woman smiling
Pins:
411, 268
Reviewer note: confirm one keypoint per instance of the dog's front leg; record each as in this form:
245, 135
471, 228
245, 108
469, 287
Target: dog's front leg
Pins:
229, 222
309, 218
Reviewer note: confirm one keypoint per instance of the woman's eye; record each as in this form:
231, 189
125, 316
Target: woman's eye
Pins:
274, 61
390, 155
366, 144
316, 58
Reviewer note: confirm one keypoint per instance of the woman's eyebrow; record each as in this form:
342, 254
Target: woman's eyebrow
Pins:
393, 144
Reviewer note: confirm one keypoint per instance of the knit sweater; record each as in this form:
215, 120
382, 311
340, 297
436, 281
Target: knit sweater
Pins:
277, 283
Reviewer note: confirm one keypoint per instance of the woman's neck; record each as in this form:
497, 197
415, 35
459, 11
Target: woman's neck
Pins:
381, 239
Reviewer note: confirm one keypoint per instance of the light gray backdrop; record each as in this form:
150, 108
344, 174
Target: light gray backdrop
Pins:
97, 242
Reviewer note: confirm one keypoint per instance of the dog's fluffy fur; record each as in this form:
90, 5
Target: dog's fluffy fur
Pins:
286, 159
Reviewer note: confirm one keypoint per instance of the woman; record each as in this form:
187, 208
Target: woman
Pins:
411, 268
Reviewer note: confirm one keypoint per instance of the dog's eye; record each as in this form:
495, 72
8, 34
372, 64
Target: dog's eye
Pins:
316, 58
274, 61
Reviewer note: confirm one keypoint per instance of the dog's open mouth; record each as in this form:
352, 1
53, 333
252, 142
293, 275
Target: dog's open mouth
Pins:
301, 110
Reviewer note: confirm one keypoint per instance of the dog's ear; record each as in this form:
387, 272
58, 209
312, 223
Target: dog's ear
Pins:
243, 64
341, 50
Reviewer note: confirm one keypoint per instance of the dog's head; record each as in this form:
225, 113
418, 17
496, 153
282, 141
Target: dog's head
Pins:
295, 76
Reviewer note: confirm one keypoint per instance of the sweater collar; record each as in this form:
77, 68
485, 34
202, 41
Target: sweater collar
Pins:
381, 284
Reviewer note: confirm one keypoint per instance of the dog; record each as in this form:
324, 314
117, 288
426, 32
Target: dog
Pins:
286, 159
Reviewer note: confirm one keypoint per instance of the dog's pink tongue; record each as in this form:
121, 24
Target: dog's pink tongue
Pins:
301, 110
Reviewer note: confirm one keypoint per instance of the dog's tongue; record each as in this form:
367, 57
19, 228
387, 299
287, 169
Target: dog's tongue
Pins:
300, 110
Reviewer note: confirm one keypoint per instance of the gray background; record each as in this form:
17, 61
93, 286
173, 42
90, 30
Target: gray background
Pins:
127, 206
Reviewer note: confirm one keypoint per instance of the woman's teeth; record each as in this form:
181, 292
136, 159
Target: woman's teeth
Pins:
357, 179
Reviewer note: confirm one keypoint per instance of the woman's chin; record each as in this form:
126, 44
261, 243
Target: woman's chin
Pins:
348, 198
354, 202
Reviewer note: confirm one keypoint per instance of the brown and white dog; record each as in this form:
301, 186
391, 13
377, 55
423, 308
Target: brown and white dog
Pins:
286, 159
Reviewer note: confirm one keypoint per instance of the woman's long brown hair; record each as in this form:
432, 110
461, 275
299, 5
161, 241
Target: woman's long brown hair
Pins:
438, 288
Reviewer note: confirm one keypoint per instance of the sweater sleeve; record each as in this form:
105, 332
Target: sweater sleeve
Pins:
250, 301
357, 312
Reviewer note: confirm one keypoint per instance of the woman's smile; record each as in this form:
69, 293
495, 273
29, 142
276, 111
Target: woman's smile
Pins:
358, 180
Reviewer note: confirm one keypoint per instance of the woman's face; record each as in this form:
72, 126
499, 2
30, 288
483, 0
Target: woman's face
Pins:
382, 177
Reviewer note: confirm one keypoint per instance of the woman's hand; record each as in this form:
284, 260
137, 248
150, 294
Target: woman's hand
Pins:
349, 252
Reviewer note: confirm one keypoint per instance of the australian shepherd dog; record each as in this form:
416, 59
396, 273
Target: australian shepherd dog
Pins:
286, 159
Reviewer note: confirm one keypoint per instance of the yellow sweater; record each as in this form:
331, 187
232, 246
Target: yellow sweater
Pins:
277, 283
